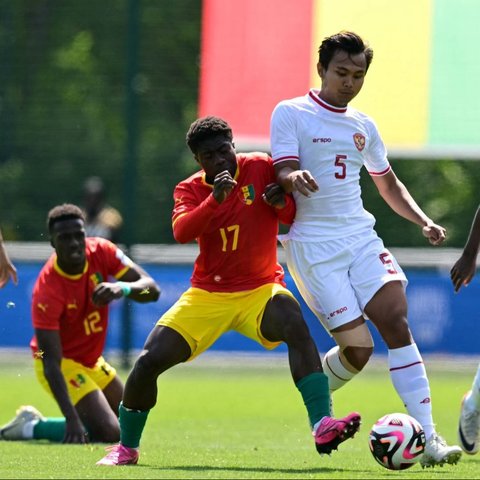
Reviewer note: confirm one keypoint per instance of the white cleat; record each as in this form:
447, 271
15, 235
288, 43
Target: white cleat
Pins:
437, 452
469, 428
13, 430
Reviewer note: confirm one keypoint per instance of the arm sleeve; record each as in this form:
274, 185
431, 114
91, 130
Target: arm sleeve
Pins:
190, 219
376, 161
287, 213
117, 261
283, 135
46, 309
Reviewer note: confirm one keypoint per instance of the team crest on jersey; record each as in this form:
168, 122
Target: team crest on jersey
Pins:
359, 141
96, 278
247, 194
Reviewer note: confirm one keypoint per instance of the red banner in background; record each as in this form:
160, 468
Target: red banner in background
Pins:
245, 42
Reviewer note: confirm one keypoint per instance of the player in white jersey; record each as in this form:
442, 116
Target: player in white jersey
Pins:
339, 264
461, 274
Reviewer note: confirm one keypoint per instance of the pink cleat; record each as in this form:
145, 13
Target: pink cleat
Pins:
119, 455
331, 432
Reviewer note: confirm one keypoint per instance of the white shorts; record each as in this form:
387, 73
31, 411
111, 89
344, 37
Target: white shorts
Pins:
338, 278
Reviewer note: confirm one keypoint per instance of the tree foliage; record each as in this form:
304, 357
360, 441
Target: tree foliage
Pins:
447, 191
63, 105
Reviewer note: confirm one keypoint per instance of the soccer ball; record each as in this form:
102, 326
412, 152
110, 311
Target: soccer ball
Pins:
397, 441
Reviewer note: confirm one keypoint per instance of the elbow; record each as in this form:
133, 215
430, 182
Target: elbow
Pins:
180, 239
180, 236
150, 293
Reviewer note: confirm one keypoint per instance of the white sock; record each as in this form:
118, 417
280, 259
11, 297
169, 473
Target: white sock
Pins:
411, 383
473, 400
333, 368
27, 430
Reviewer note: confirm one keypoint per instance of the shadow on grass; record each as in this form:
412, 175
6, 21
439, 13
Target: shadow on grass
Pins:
330, 471
206, 468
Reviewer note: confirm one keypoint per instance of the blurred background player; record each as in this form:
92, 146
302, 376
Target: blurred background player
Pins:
339, 264
461, 274
70, 304
232, 208
101, 219
7, 269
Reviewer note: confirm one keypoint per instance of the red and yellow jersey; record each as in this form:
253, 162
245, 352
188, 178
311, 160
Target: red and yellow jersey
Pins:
237, 238
63, 302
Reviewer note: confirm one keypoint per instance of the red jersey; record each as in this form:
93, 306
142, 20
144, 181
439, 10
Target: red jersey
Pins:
63, 302
237, 238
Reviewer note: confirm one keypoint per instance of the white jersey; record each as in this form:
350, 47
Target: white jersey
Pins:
333, 144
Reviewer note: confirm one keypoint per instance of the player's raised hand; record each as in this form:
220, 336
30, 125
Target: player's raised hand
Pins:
223, 185
274, 195
463, 271
7, 269
435, 233
7, 272
302, 181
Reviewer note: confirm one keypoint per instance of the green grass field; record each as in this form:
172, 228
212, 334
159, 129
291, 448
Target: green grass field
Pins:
235, 417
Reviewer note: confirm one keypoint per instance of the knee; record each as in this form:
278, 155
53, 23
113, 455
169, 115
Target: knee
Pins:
396, 316
106, 432
356, 345
283, 321
295, 329
395, 328
358, 357
149, 363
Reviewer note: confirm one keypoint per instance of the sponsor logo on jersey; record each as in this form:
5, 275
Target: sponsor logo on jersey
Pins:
72, 305
247, 194
321, 140
359, 141
426, 400
42, 307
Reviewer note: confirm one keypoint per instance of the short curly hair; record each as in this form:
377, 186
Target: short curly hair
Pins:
66, 211
207, 127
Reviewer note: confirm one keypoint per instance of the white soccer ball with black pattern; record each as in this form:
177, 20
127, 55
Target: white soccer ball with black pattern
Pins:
397, 441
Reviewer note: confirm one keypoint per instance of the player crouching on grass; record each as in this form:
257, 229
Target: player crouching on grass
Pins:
232, 208
70, 316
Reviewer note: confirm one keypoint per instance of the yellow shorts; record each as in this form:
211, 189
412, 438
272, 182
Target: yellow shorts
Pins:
201, 317
80, 380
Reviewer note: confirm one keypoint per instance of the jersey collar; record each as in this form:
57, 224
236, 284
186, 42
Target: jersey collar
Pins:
77, 276
313, 94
